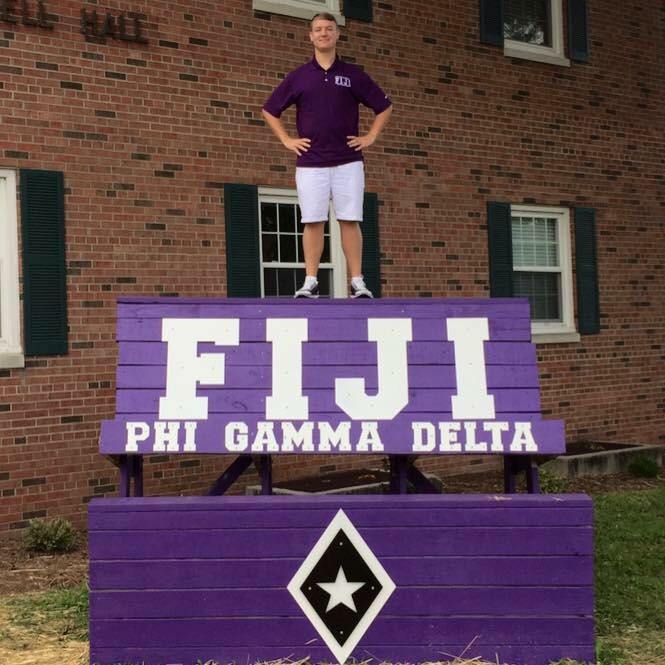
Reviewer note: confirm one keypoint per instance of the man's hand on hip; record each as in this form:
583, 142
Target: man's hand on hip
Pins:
297, 145
360, 142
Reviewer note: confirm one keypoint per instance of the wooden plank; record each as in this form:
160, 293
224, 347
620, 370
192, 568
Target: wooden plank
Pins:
268, 602
420, 376
232, 573
386, 631
367, 502
177, 518
509, 308
519, 655
229, 399
396, 435
333, 353
432, 541
333, 329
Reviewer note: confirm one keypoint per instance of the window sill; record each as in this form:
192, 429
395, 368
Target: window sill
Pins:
11, 360
555, 337
286, 8
514, 49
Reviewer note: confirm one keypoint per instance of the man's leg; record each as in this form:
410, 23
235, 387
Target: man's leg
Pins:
352, 246
313, 186
312, 246
348, 187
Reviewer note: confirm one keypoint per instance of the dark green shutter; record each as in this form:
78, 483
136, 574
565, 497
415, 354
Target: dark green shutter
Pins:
243, 262
44, 272
500, 250
578, 30
586, 266
491, 22
371, 251
360, 10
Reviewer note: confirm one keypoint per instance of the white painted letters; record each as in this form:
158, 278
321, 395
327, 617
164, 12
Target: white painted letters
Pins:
186, 368
286, 402
472, 401
391, 336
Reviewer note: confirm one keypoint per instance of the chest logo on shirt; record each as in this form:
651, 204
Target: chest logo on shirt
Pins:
343, 80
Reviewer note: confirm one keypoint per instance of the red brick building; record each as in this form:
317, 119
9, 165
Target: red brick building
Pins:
131, 131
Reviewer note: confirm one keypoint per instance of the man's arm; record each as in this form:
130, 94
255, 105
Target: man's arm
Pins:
380, 121
297, 145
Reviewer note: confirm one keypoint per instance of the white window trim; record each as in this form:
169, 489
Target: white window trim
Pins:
300, 8
337, 261
564, 330
11, 353
552, 55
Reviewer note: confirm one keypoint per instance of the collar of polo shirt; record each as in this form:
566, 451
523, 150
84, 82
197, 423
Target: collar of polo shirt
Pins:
315, 65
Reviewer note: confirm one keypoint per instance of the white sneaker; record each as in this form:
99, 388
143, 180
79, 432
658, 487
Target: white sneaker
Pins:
360, 290
308, 291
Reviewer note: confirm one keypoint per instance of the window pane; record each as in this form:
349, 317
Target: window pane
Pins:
325, 278
269, 247
527, 21
543, 289
269, 217
325, 256
287, 218
286, 283
287, 248
535, 242
270, 282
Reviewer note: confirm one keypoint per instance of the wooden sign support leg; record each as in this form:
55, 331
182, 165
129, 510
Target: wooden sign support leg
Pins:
513, 465
123, 465
263, 464
232, 473
131, 469
398, 473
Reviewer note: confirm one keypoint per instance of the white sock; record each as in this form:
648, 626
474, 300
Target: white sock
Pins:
358, 281
310, 281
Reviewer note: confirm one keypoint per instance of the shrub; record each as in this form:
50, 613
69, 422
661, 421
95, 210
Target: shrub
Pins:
51, 536
644, 467
551, 484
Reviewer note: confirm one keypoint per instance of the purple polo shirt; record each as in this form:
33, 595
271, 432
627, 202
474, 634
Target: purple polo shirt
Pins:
327, 108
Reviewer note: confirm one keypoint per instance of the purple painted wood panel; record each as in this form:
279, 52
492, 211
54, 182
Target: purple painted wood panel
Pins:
518, 586
211, 436
259, 382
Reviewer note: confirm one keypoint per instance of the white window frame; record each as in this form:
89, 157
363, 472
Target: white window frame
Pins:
564, 330
11, 353
337, 262
553, 55
300, 8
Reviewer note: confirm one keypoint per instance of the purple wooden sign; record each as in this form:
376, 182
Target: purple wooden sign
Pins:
245, 580
274, 376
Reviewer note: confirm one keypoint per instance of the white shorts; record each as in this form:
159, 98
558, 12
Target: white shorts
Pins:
345, 184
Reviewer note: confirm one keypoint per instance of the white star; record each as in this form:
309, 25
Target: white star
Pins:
341, 591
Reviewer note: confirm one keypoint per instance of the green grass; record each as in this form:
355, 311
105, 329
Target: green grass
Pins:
61, 611
630, 561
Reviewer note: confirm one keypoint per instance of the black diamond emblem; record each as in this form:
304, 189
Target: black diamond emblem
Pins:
341, 566
341, 587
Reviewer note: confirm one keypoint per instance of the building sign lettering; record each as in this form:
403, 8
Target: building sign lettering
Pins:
26, 12
116, 27
121, 27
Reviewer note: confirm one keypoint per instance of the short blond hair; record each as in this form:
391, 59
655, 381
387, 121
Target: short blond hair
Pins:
324, 16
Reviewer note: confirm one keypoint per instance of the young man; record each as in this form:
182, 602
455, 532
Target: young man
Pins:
327, 93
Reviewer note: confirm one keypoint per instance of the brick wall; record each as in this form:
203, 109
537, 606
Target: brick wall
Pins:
146, 135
